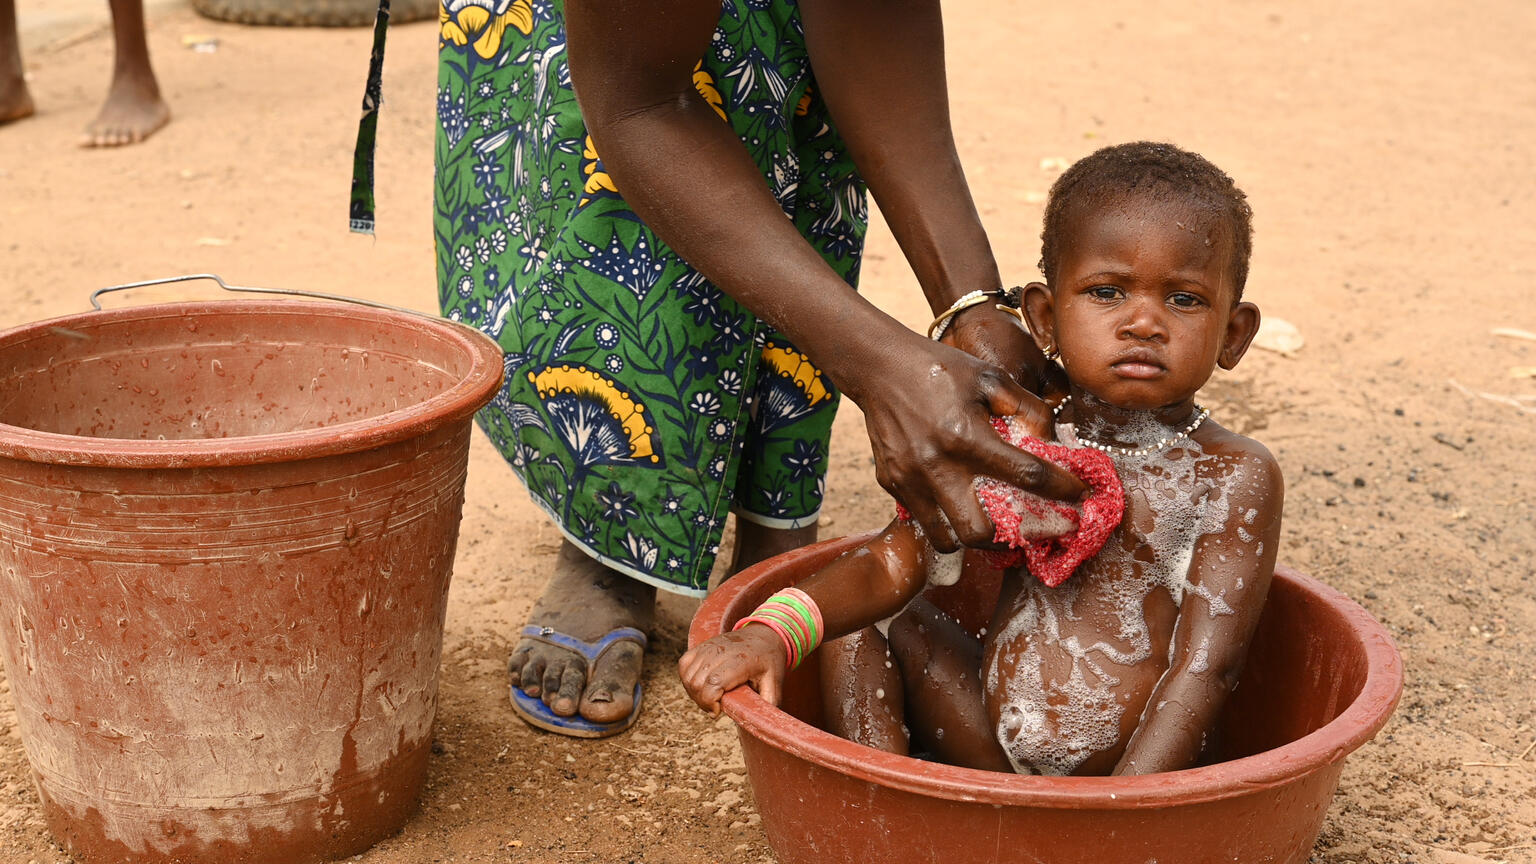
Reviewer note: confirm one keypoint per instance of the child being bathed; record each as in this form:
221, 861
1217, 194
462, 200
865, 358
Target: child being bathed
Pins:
1122, 668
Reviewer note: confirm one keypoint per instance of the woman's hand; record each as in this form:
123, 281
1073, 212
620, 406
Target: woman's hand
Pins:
752, 655
930, 425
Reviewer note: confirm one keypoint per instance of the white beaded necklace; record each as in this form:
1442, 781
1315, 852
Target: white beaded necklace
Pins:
1116, 450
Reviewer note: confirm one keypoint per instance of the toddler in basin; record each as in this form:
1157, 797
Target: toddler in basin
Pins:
1123, 667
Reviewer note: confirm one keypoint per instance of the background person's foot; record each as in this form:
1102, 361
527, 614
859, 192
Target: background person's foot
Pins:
133, 111
15, 99
586, 600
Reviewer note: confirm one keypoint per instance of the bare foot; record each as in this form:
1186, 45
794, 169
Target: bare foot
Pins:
132, 112
586, 600
15, 99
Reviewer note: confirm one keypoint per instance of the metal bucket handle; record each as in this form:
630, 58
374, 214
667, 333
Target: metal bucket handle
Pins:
318, 295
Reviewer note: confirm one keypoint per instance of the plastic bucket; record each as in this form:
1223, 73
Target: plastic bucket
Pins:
226, 535
1321, 679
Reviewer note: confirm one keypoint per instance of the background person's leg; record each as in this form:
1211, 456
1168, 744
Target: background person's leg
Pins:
15, 100
133, 109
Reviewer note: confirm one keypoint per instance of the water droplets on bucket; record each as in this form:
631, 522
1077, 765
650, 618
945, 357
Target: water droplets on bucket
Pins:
226, 535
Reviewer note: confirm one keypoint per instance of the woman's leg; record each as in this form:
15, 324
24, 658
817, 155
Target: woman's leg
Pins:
756, 542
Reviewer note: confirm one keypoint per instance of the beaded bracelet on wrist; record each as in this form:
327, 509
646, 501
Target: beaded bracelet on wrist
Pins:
1010, 300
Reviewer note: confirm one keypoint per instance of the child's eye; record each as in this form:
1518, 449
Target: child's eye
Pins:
1104, 292
1184, 300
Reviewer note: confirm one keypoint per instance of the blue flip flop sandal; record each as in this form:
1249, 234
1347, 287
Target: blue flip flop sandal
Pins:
532, 708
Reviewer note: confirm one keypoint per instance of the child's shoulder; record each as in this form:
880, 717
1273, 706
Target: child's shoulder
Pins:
1248, 468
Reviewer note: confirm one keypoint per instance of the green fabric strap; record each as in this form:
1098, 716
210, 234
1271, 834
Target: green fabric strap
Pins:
361, 205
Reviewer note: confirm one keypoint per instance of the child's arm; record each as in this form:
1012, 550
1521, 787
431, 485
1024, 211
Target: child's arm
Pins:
873, 582
1228, 579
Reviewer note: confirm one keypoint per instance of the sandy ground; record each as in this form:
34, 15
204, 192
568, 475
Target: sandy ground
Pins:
1385, 145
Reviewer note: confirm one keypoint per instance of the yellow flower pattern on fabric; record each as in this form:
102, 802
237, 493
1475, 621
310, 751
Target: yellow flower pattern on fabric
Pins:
791, 387
598, 181
791, 364
483, 22
705, 84
600, 422
803, 107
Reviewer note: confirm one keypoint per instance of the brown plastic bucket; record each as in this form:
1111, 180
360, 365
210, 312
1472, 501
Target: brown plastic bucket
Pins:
1322, 677
226, 535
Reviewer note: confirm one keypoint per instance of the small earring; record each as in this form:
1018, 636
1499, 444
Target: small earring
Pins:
1051, 353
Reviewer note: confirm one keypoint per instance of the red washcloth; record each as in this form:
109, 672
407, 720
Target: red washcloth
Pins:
1019, 515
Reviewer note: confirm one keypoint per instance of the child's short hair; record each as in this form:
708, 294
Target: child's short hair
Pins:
1161, 171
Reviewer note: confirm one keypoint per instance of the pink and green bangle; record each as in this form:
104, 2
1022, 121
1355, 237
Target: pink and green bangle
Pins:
793, 615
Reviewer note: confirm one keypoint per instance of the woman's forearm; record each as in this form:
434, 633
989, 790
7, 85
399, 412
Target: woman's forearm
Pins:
688, 176
754, 254
691, 180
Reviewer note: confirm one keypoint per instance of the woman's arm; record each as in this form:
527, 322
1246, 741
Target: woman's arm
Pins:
1229, 576
681, 170
879, 67
869, 584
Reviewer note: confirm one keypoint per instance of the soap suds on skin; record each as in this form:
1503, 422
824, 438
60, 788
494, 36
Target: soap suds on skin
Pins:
1201, 661
944, 568
1052, 727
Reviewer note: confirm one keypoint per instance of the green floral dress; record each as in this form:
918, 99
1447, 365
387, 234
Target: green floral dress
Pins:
641, 403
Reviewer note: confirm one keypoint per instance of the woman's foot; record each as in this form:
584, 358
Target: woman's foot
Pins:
585, 600
133, 111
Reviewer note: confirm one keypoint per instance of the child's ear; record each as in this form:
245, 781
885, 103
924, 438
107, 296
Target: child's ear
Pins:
1242, 326
1039, 310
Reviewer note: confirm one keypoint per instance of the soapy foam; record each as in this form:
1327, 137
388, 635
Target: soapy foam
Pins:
1037, 735
1037, 517
1053, 727
1052, 537
944, 568
1202, 659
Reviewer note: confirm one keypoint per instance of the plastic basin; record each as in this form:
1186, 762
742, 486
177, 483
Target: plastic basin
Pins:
226, 536
1322, 678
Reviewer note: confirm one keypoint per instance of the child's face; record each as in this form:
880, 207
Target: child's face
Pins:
1143, 306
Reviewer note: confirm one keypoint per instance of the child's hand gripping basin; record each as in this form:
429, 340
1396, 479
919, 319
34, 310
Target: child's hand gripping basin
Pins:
1322, 677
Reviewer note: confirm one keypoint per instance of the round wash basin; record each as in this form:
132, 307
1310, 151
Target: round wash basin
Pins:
1322, 678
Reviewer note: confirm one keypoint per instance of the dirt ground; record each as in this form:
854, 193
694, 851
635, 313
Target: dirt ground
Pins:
1386, 149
